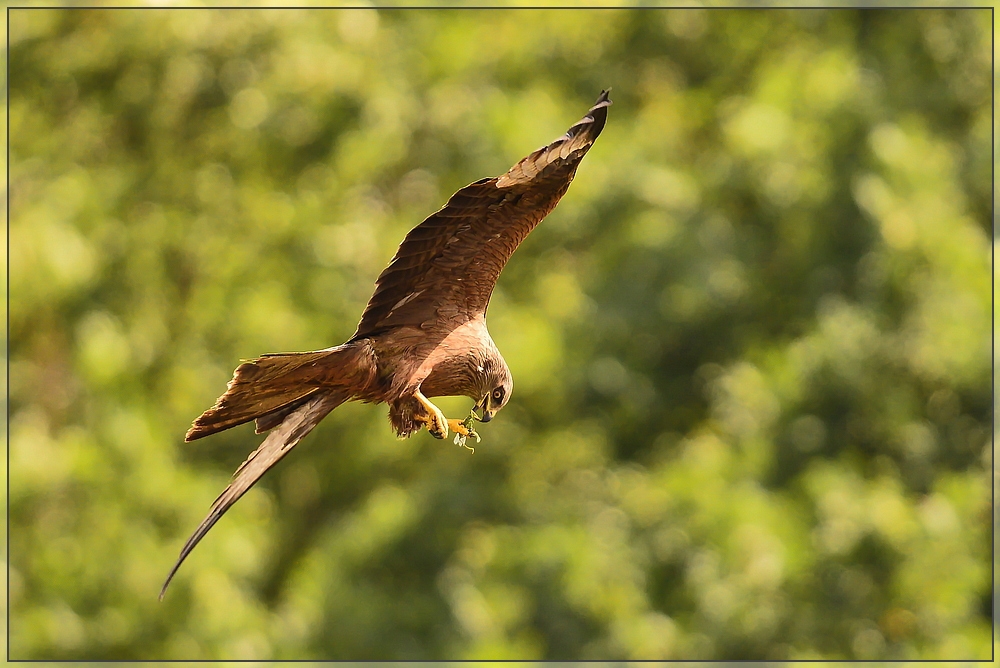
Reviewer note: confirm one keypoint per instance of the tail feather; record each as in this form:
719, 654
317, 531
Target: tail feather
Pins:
270, 387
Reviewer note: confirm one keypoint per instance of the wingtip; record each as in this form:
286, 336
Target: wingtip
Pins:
603, 102
578, 139
163, 590
593, 123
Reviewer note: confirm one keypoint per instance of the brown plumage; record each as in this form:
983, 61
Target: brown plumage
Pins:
423, 333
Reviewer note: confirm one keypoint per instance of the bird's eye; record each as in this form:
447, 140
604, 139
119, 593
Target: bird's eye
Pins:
498, 394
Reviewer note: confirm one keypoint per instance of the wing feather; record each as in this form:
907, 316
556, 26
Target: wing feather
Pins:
278, 443
449, 263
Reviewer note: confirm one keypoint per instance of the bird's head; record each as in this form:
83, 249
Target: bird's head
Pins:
495, 390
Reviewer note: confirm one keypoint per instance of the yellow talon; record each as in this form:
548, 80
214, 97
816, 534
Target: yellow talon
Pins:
458, 426
439, 426
435, 421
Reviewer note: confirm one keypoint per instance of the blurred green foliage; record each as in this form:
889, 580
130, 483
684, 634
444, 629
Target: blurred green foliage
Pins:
751, 347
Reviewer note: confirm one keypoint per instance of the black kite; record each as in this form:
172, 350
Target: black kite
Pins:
423, 333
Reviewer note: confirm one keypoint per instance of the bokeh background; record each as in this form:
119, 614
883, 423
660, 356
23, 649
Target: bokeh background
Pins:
751, 347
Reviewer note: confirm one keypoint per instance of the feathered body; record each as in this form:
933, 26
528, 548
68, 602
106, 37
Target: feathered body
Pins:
423, 333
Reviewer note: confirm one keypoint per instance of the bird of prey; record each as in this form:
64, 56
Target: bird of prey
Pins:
423, 333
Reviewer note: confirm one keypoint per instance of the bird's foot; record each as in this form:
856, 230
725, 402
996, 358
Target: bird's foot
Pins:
463, 430
437, 424
435, 421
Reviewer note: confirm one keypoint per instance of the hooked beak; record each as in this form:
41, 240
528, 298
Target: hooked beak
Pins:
487, 414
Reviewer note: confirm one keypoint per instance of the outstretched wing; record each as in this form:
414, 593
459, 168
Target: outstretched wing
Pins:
448, 265
278, 443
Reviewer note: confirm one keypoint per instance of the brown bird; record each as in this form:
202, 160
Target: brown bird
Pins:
423, 333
